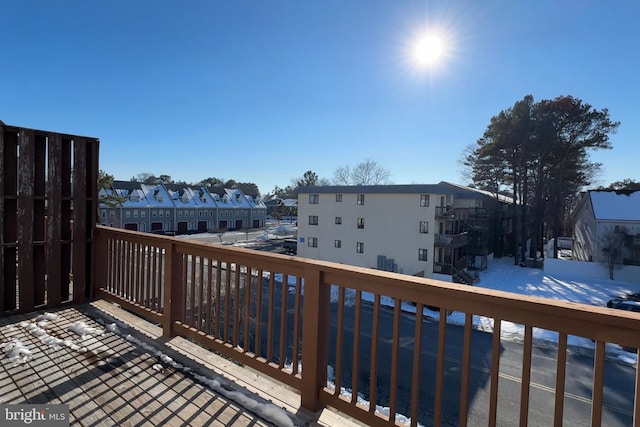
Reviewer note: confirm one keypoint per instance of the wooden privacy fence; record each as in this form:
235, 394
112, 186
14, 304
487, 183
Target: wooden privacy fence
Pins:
48, 189
356, 339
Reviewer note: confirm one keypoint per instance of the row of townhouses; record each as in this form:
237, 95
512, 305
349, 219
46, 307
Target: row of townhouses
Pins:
436, 230
178, 208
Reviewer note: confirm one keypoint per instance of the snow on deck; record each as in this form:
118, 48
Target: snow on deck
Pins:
107, 376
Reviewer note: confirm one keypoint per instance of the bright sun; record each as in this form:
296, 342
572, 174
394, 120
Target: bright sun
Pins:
428, 49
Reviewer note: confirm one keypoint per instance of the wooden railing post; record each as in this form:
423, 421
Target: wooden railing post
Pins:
315, 338
173, 290
101, 263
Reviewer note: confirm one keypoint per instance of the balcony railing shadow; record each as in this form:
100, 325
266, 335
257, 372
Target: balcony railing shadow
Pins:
303, 322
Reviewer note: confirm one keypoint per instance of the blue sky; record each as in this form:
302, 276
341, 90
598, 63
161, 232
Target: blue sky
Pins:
262, 91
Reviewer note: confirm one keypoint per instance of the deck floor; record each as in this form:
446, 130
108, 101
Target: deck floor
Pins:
109, 380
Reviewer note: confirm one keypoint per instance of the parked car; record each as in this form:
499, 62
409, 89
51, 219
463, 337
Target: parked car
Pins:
624, 303
290, 246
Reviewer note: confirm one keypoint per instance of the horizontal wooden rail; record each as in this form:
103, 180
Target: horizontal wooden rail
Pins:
365, 344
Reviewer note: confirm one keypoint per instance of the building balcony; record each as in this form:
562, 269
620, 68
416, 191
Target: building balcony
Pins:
357, 340
451, 240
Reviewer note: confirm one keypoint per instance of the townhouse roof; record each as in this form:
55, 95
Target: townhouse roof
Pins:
157, 195
129, 192
183, 196
615, 205
237, 197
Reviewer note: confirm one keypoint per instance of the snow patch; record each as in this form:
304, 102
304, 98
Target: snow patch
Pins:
16, 352
83, 330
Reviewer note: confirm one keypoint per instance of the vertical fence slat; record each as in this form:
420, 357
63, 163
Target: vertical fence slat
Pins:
373, 368
526, 376
598, 384
80, 256
202, 302
355, 369
9, 219
417, 355
397, 306
140, 294
3, 283
442, 333
210, 297
25, 219
495, 372
39, 219
192, 261
466, 365
259, 312
339, 339
54, 202
248, 285
227, 301
236, 304
296, 326
283, 320
218, 285
270, 319
561, 370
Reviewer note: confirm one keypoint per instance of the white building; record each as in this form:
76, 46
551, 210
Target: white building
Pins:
410, 229
603, 217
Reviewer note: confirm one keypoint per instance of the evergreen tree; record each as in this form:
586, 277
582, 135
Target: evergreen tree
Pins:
539, 150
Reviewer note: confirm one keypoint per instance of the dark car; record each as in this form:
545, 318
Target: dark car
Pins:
290, 246
624, 304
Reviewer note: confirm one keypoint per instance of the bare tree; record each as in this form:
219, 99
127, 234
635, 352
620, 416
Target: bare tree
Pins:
612, 243
219, 231
368, 172
342, 175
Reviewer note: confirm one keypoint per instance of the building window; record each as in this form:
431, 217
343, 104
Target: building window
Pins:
313, 242
313, 219
337, 243
422, 254
179, 214
127, 214
103, 213
154, 213
313, 199
161, 213
338, 197
360, 222
135, 213
143, 214
360, 247
360, 199
424, 226
112, 214
192, 214
424, 200
338, 220
199, 213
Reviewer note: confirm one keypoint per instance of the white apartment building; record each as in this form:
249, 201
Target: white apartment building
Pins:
600, 219
410, 229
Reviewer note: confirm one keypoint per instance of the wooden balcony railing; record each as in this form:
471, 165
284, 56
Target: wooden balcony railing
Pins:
297, 320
